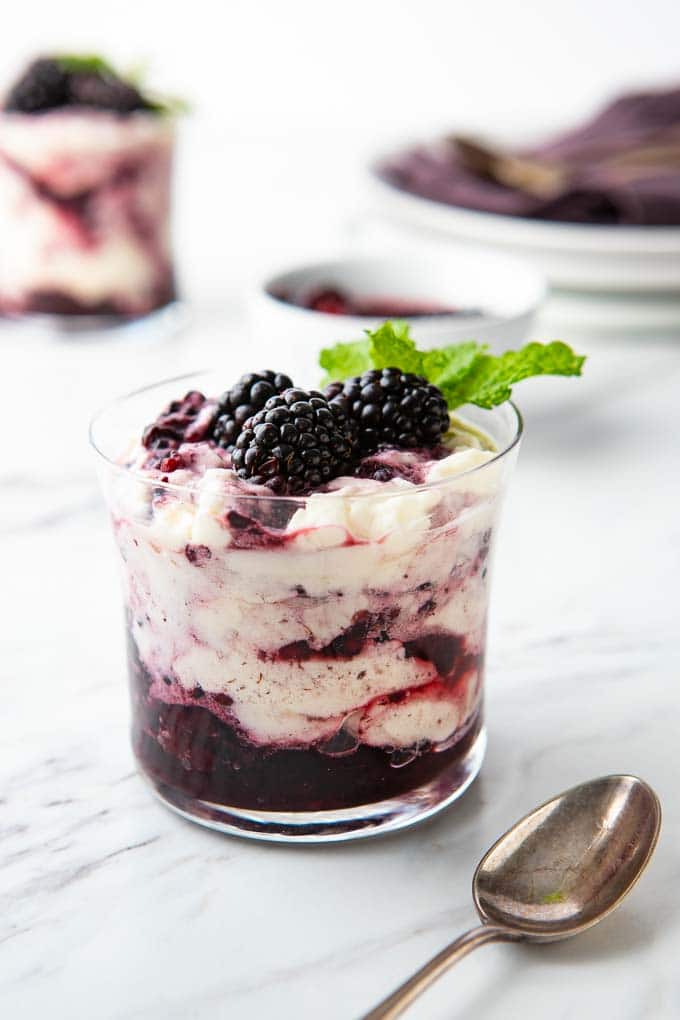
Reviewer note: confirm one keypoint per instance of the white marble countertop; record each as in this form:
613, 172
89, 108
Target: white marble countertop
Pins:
114, 908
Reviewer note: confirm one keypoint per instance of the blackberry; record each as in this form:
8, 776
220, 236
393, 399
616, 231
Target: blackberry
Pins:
181, 422
47, 84
330, 301
242, 401
42, 86
295, 444
391, 408
104, 92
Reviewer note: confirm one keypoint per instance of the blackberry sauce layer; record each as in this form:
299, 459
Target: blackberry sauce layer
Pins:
199, 755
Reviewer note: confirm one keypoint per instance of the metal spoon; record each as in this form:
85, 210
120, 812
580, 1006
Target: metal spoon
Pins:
536, 177
546, 178
558, 871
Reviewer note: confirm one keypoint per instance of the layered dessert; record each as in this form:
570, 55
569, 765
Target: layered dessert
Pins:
306, 578
85, 174
306, 582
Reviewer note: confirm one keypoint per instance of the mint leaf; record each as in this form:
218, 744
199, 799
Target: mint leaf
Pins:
92, 63
490, 378
170, 106
389, 344
392, 345
554, 897
345, 360
446, 366
84, 64
465, 373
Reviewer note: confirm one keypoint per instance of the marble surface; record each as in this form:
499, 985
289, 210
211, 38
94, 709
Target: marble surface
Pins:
111, 907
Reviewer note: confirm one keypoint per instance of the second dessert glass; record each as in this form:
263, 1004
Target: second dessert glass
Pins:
85, 213
305, 669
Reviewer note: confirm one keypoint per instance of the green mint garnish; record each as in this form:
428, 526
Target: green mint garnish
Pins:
553, 897
168, 106
74, 63
92, 63
345, 360
465, 373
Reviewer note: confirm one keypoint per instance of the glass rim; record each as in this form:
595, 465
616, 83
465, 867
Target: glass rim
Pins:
176, 487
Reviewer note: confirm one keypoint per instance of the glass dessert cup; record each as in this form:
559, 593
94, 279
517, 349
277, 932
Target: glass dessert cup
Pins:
85, 202
305, 669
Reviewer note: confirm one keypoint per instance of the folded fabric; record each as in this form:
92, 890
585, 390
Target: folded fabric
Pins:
622, 167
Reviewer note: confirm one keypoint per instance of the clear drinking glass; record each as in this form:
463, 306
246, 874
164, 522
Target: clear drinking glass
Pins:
85, 205
304, 669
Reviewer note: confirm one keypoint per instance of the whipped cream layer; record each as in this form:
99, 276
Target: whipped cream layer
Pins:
85, 210
357, 612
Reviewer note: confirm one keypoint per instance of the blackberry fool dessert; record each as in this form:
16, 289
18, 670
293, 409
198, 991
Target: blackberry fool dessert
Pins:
85, 168
306, 582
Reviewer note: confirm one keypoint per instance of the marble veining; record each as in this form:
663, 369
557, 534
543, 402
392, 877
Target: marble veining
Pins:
110, 907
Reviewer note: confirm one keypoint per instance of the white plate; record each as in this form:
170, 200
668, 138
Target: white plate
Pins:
569, 254
160, 324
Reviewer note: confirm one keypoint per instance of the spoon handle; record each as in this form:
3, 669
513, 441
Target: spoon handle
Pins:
395, 1004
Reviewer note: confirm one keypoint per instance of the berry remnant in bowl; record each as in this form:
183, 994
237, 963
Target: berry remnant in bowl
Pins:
332, 300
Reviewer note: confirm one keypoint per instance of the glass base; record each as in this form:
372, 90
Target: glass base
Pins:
332, 826
158, 324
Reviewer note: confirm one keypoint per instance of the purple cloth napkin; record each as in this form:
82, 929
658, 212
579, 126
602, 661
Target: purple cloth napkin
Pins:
598, 191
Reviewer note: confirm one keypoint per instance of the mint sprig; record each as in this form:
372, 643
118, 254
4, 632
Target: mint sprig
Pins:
81, 63
465, 373
93, 63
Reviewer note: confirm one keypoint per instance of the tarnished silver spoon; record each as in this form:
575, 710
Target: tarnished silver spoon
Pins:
558, 871
546, 178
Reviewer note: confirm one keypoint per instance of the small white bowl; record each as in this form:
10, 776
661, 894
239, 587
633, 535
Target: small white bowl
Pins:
507, 292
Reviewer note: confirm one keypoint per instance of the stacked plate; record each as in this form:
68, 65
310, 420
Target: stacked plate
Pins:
601, 277
606, 275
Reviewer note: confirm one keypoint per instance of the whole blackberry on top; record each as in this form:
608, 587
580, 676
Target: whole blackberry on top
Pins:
295, 444
50, 83
42, 86
104, 92
388, 407
183, 421
242, 401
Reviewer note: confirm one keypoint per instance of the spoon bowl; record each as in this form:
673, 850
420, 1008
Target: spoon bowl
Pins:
555, 873
570, 862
